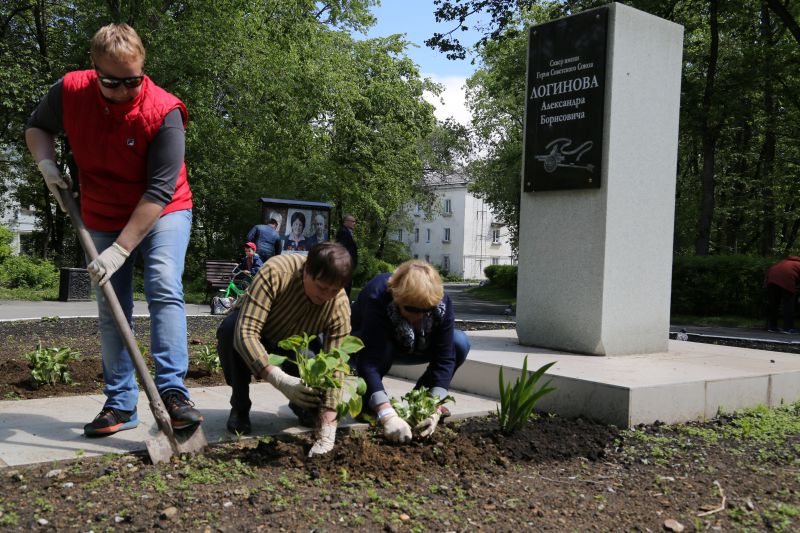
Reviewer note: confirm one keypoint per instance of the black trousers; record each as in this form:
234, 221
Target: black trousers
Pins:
779, 298
237, 373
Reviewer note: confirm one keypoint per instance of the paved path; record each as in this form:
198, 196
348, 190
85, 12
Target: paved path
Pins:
466, 306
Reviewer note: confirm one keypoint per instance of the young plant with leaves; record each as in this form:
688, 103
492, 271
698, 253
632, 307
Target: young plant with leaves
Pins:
326, 370
208, 359
50, 365
419, 405
517, 401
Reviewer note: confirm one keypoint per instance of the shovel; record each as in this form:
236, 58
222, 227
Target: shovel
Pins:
167, 442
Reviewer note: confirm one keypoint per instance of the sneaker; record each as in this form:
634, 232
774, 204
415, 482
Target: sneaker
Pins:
305, 416
181, 410
239, 422
109, 421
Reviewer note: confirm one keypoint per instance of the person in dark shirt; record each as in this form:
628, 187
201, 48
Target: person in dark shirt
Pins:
405, 318
266, 239
345, 238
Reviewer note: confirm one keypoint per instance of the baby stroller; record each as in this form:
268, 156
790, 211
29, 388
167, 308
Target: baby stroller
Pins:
240, 280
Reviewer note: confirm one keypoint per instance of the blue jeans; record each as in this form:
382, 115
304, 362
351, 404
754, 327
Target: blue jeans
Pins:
163, 252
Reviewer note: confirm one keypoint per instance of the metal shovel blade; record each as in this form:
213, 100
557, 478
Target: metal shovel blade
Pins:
190, 441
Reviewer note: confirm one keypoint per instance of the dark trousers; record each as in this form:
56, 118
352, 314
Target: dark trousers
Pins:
779, 298
237, 373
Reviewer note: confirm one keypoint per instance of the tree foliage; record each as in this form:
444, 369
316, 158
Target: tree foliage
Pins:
283, 102
738, 156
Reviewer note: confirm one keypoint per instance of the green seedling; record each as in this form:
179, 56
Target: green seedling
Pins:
518, 401
208, 359
49, 365
419, 404
326, 371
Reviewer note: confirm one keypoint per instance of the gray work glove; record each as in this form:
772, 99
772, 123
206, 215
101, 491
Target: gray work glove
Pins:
395, 429
54, 180
428, 426
292, 388
108, 262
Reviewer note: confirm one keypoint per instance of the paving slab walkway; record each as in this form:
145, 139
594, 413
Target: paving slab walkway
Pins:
51, 429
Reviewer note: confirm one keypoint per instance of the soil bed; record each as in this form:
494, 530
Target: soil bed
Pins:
554, 475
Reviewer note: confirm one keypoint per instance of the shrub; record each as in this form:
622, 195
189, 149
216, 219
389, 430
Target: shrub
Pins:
5, 243
419, 404
23, 272
50, 365
368, 267
502, 276
208, 359
719, 285
517, 401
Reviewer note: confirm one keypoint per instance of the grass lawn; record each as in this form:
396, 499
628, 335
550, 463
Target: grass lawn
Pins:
494, 294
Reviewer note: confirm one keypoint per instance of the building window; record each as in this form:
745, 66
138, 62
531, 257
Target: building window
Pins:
416, 234
418, 210
495, 236
448, 206
446, 263
427, 258
446, 235
495, 260
416, 256
428, 235
400, 235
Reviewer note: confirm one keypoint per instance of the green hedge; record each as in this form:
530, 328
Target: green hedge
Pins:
502, 276
704, 286
21, 272
719, 285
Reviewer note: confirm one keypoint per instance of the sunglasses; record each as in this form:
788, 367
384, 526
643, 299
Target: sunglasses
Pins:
112, 83
417, 310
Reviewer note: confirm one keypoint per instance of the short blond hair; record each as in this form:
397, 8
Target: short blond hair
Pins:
119, 42
416, 283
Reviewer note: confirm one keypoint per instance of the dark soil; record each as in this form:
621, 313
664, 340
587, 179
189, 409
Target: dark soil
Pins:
81, 335
555, 474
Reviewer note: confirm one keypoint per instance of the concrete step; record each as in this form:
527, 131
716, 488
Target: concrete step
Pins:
691, 381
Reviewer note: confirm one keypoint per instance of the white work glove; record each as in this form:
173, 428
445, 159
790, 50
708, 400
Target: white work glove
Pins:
395, 429
54, 180
428, 426
108, 262
292, 388
325, 439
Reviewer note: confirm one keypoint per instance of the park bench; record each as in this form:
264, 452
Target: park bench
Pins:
219, 273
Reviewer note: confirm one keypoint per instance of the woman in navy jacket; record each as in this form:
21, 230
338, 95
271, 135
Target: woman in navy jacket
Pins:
405, 318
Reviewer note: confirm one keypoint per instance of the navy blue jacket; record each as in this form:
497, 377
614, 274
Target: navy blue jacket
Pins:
370, 322
266, 239
257, 263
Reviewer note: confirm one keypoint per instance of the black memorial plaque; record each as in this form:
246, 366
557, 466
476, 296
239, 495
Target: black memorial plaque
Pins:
565, 102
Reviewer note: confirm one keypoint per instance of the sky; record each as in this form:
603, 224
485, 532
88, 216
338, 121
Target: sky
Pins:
415, 19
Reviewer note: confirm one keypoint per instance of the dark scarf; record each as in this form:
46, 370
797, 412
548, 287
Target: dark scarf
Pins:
408, 340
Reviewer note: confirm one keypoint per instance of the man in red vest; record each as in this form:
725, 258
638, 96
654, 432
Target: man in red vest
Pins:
781, 283
127, 138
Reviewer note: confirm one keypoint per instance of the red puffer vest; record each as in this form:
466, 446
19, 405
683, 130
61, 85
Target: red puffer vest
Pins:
110, 142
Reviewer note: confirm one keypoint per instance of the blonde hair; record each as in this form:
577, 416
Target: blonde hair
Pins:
119, 42
416, 283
